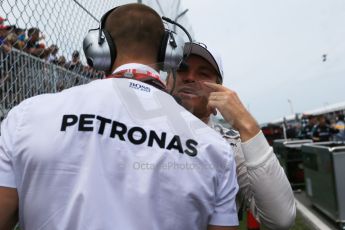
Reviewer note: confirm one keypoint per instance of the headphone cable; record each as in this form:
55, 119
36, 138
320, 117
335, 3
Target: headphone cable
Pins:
183, 63
184, 30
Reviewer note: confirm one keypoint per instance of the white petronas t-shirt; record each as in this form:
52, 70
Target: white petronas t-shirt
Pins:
115, 154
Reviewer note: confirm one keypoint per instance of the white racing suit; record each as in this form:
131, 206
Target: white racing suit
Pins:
263, 185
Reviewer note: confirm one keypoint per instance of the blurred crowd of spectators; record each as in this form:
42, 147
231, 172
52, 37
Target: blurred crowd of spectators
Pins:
31, 41
319, 128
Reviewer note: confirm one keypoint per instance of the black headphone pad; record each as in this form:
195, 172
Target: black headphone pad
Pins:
163, 47
112, 46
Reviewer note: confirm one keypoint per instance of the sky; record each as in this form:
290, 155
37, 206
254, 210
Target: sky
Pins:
272, 51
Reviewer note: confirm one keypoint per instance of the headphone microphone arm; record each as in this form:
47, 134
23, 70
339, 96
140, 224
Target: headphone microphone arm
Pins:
179, 25
184, 64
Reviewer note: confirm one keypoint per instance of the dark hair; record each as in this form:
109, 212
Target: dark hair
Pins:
19, 30
33, 30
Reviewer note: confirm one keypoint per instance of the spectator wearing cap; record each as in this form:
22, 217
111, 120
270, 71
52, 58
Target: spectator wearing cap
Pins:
264, 187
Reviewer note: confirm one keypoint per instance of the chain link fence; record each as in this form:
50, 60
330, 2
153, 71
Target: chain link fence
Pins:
25, 76
41, 44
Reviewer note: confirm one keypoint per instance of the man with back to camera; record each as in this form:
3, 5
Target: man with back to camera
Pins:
264, 187
115, 153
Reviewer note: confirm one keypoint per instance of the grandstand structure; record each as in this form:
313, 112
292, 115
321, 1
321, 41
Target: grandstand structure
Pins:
54, 60
329, 111
279, 128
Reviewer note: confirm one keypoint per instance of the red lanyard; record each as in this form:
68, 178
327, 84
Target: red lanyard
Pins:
140, 75
134, 73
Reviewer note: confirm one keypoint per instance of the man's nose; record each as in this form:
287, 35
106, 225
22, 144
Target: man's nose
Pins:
189, 78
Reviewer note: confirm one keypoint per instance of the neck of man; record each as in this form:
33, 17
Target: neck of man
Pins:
152, 62
199, 110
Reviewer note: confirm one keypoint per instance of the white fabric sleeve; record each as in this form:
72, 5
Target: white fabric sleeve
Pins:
225, 212
270, 197
8, 129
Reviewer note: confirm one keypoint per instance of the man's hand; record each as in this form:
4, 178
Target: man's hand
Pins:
230, 106
8, 208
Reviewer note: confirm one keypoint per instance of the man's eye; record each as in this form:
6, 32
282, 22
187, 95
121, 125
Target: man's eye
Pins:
204, 74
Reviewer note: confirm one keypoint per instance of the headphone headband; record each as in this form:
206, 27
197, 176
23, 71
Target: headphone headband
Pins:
100, 50
104, 17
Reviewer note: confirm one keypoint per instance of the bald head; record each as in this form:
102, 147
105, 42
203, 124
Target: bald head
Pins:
137, 30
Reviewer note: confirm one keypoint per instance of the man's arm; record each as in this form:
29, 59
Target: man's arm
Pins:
225, 211
8, 193
8, 208
257, 167
213, 227
269, 195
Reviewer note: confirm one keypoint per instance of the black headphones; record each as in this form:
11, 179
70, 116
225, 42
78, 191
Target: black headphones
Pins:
100, 50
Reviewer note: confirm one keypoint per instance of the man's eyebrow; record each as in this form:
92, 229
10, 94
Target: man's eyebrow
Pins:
203, 68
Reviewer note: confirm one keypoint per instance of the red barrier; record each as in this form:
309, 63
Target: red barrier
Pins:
252, 224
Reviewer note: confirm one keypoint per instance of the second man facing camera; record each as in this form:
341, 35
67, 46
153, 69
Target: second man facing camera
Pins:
264, 187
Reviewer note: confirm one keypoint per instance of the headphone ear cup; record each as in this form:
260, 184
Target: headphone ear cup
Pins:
98, 54
98, 46
112, 47
173, 51
163, 48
